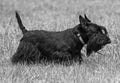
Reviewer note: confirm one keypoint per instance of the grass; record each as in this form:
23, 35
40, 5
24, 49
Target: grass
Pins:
57, 15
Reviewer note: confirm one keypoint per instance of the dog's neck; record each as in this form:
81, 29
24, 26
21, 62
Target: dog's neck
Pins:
80, 38
81, 34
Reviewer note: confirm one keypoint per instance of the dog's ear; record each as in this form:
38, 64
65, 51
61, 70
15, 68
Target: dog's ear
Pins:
82, 21
86, 18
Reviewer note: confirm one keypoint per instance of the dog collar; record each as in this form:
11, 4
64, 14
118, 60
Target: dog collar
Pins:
80, 38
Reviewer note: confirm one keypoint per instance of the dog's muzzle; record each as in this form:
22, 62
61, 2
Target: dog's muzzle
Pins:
97, 42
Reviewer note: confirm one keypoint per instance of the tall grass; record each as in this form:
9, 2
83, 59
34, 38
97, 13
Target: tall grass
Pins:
57, 15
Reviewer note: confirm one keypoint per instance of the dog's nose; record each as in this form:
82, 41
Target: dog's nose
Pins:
109, 41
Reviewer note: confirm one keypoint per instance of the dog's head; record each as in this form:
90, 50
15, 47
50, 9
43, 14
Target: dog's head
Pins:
93, 35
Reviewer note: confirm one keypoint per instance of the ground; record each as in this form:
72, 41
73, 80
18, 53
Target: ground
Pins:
57, 15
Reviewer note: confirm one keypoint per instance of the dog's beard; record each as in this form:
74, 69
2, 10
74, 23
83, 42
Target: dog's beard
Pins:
96, 42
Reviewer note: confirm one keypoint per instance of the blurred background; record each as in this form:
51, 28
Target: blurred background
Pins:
58, 15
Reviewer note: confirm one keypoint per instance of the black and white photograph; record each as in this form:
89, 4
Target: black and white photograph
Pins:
59, 41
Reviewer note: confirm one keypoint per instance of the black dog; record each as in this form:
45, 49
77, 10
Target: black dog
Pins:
40, 45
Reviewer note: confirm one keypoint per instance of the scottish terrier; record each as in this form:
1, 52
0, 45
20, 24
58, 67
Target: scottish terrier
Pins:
60, 46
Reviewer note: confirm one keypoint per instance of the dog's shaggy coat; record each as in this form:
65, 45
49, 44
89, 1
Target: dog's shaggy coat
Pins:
62, 46
38, 45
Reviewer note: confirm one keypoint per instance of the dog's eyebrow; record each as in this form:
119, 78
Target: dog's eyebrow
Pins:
104, 29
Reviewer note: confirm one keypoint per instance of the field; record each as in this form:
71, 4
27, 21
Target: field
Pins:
57, 15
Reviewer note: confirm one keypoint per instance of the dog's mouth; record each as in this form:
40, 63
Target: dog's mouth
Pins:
96, 43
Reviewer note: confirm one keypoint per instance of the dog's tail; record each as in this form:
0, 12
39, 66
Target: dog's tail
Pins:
20, 23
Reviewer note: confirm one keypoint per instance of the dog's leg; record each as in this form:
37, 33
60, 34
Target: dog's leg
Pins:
62, 57
77, 58
26, 53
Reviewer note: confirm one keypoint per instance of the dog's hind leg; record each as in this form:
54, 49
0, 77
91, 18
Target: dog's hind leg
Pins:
26, 53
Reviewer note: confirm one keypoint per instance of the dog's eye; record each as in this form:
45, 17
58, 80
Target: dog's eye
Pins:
103, 31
